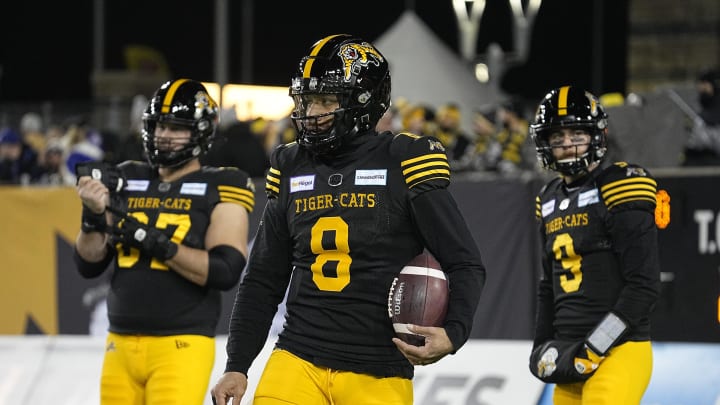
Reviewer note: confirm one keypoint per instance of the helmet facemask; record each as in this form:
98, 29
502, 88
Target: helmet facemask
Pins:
322, 133
166, 152
596, 149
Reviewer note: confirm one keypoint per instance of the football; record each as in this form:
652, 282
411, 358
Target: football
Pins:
418, 296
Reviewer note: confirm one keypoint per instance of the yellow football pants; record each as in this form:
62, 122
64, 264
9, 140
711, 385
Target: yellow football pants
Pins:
288, 379
147, 370
621, 379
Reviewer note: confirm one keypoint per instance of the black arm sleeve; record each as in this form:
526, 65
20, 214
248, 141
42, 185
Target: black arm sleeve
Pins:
92, 269
634, 236
261, 289
447, 236
225, 264
545, 311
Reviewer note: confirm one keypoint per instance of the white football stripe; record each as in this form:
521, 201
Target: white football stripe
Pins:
422, 271
403, 328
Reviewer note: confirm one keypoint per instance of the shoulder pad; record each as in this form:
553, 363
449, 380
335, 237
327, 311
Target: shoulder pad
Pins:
627, 186
233, 186
423, 160
278, 156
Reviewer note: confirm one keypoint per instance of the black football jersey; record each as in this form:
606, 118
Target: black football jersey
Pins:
146, 296
344, 228
599, 251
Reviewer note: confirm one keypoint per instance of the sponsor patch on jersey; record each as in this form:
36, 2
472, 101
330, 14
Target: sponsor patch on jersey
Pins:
193, 188
548, 208
137, 185
588, 197
302, 183
371, 177
564, 204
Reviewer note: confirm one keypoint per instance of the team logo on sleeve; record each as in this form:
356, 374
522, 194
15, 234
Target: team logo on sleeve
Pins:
635, 171
436, 145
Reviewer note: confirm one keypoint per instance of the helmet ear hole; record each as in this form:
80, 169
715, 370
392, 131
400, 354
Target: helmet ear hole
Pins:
363, 97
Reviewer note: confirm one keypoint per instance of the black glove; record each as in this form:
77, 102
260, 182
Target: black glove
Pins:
563, 362
107, 173
146, 238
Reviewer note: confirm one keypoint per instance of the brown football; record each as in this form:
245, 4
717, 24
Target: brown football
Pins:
419, 296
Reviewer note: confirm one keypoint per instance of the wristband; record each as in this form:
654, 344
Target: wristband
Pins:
606, 334
92, 222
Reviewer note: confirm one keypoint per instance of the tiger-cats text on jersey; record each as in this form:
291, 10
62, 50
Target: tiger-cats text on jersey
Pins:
584, 273
147, 297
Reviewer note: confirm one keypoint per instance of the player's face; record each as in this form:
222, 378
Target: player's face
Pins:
170, 137
322, 107
318, 104
569, 143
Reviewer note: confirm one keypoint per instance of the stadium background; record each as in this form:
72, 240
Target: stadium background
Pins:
45, 309
48, 64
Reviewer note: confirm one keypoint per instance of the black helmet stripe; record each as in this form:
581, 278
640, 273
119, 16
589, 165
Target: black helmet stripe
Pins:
167, 101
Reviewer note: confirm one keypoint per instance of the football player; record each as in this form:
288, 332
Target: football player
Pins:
347, 208
600, 278
177, 234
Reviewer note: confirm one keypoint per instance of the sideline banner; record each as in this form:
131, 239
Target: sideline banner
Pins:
35, 223
488, 372
482, 372
689, 305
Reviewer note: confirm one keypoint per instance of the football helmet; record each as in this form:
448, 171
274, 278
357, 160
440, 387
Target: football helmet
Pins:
570, 107
353, 70
185, 103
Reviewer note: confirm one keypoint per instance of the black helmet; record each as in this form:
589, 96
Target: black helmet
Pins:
354, 71
570, 107
185, 103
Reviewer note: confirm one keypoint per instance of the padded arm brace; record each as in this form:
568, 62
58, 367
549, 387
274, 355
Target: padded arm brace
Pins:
225, 267
606, 334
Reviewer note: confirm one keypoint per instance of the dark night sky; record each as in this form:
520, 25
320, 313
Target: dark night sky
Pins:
47, 51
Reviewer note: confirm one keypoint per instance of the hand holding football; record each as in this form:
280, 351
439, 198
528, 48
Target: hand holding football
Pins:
418, 296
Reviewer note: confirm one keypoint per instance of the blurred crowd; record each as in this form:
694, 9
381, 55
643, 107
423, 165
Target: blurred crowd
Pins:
39, 153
